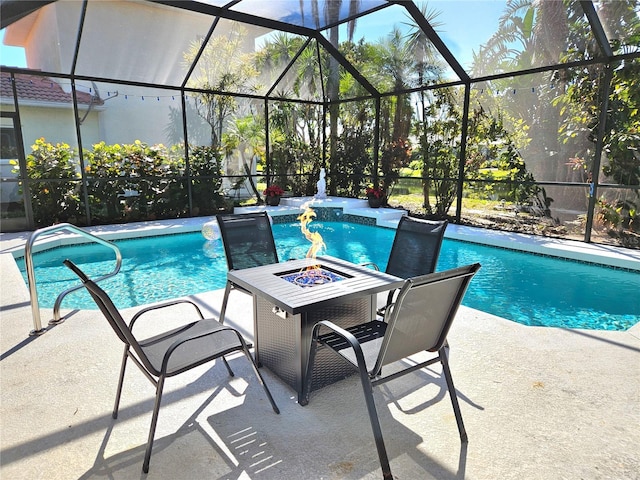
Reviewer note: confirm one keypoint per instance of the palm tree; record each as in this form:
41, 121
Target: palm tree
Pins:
512, 46
246, 136
428, 64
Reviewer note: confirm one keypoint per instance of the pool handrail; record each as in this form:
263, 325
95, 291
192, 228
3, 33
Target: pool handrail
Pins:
31, 279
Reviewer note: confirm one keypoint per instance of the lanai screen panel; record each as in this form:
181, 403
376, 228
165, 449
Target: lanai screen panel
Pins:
227, 64
289, 67
49, 36
531, 35
138, 41
135, 113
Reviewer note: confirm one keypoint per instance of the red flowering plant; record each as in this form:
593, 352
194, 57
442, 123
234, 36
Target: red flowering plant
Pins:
374, 192
273, 191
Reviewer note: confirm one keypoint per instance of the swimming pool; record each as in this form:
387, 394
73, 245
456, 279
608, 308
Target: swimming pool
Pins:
529, 289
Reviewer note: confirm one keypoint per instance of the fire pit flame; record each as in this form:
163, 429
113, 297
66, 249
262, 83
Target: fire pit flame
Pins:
314, 274
317, 243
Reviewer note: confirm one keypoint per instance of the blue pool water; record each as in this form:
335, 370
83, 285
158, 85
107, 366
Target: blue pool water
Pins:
529, 289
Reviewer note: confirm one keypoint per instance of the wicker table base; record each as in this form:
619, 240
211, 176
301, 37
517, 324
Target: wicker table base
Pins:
284, 342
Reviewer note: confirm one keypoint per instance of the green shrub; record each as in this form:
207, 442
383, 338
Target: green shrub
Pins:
54, 189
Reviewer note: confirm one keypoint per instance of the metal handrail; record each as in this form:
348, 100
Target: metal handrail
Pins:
31, 278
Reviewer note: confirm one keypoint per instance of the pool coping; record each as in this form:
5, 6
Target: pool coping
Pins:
606, 255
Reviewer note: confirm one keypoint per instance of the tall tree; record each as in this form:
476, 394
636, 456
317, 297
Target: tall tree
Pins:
224, 66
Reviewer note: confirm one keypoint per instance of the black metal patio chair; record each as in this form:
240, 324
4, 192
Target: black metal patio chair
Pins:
248, 242
415, 250
418, 321
170, 352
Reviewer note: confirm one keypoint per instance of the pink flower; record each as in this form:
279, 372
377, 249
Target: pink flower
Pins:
375, 192
273, 191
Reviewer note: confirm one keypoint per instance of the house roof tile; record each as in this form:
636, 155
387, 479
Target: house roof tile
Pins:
42, 89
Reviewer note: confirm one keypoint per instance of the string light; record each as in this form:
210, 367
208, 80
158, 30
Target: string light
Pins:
515, 91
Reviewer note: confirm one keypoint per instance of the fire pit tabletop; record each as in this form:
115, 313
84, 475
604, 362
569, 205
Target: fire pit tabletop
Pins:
357, 281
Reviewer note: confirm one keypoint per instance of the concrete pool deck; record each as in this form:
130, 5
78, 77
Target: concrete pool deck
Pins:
538, 403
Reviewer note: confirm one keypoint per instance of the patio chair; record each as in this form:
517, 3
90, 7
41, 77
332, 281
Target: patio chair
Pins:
171, 352
415, 250
418, 321
248, 242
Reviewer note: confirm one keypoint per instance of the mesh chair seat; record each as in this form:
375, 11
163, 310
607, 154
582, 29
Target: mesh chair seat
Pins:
195, 343
369, 335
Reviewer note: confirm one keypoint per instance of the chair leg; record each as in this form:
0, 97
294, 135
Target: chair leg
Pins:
116, 405
452, 393
368, 396
375, 423
247, 353
223, 311
225, 299
154, 422
226, 364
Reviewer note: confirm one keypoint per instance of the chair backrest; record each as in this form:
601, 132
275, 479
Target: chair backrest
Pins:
109, 310
423, 313
416, 247
247, 239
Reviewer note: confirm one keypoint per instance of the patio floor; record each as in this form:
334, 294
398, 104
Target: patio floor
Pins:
538, 403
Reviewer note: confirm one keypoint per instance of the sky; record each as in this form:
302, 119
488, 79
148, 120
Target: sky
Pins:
11, 56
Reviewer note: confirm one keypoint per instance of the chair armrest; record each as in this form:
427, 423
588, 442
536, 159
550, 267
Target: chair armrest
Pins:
164, 305
386, 311
370, 264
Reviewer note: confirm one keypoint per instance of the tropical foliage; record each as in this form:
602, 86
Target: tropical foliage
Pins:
124, 183
55, 191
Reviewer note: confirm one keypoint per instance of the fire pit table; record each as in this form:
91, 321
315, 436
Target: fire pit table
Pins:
289, 300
